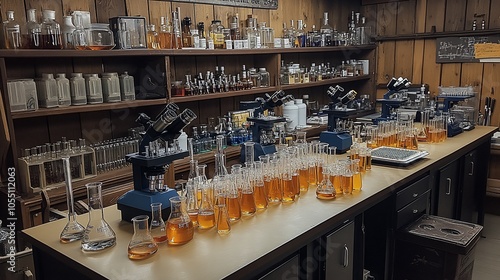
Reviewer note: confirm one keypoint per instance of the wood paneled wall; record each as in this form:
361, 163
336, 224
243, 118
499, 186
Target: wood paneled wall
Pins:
416, 59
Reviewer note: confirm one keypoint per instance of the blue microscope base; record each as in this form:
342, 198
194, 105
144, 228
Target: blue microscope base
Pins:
341, 140
134, 203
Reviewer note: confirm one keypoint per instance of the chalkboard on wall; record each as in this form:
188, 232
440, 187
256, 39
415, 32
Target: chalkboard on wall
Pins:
460, 49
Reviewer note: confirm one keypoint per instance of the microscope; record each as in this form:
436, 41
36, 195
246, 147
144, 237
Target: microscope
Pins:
337, 134
393, 98
152, 160
461, 104
264, 127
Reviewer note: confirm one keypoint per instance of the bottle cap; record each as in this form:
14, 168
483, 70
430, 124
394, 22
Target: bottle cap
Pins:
298, 101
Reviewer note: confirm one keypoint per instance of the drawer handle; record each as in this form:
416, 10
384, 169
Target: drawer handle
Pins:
415, 194
448, 192
415, 211
471, 168
346, 255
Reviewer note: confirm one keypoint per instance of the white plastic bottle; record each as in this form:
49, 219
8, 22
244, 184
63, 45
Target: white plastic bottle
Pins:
302, 112
291, 111
183, 141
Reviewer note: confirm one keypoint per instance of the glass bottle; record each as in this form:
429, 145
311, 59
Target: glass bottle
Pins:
77, 89
67, 29
176, 30
32, 31
152, 37
63, 90
235, 29
201, 33
264, 77
124, 36
325, 189
216, 34
73, 230
142, 244
12, 32
187, 39
326, 31
51, 31
127, 88
157, 227
223, 223
195, 38
300, 37
98, 234
180, 228
80, 40
165, 34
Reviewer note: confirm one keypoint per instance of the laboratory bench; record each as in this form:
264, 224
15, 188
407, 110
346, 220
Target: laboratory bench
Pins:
307, 239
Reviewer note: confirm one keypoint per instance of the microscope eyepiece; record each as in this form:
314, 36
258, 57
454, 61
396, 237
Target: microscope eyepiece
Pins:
164, 120
182, 120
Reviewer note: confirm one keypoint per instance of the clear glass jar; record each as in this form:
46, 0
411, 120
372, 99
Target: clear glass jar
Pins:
67, 29
152, 37
127, 87
217, 35
77, 89
51, 31
80, 40
93, 86
111, 87
12, 32
100, 37
31, 32
264, 77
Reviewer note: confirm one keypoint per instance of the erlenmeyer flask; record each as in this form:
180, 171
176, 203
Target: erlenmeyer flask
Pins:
325, 189
98, 234
248, 207
73, 230
232, 199
223, 224
192, 202
180, 228
206, 215
259, 190
142, 244
157, 228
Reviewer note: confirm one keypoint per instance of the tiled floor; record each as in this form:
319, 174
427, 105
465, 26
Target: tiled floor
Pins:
487, 259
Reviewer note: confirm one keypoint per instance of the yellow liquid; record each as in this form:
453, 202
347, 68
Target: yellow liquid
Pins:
288, 191
347, 184
193, 215
160, 238
267, 186
233, 208
303, 180
275, 195
248, 206
165, 40
260, 197
337, 184
357, 183
321, 194
206, 219
312, 176
296, 184
223, 225
179, 232
362, 163
142, 250
369, 162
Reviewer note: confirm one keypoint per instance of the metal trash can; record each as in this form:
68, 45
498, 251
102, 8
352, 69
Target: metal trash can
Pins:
436, 248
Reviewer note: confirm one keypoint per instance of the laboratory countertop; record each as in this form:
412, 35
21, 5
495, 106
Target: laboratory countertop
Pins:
253, 242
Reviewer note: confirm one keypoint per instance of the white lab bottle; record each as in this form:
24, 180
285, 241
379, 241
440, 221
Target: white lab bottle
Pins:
291, 112
183, 139
77, 89
127, 87
111, 87
302, 112
47, 91
63, 90
94, 88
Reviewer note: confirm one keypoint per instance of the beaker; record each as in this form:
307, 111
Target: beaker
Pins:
180, 228
157, 228
73, 230
356, 175
142, 244
98, 234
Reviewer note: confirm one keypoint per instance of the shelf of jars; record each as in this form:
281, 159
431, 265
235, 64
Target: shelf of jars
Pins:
326, 82
27, 53
41, 112
181, 99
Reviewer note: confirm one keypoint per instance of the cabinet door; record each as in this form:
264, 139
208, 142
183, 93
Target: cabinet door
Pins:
286, 270
448, 188
467, 196
340, 253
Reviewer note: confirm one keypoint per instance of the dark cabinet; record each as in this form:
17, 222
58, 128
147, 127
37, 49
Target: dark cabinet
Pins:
448, 190
339, 257
287, 270
468, 190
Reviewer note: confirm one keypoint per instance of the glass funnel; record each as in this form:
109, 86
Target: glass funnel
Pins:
142, 244
98, 234
73, 230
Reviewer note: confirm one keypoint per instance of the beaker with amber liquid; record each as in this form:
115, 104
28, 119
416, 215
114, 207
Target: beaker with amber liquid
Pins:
142, 244
232, 199
180, 228
223, 224
206, 213
346, 179
248, 206
357, 183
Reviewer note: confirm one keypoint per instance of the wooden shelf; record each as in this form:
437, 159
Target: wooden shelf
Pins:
433, 35
182, 99
326, 82
87, 108
26, 53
